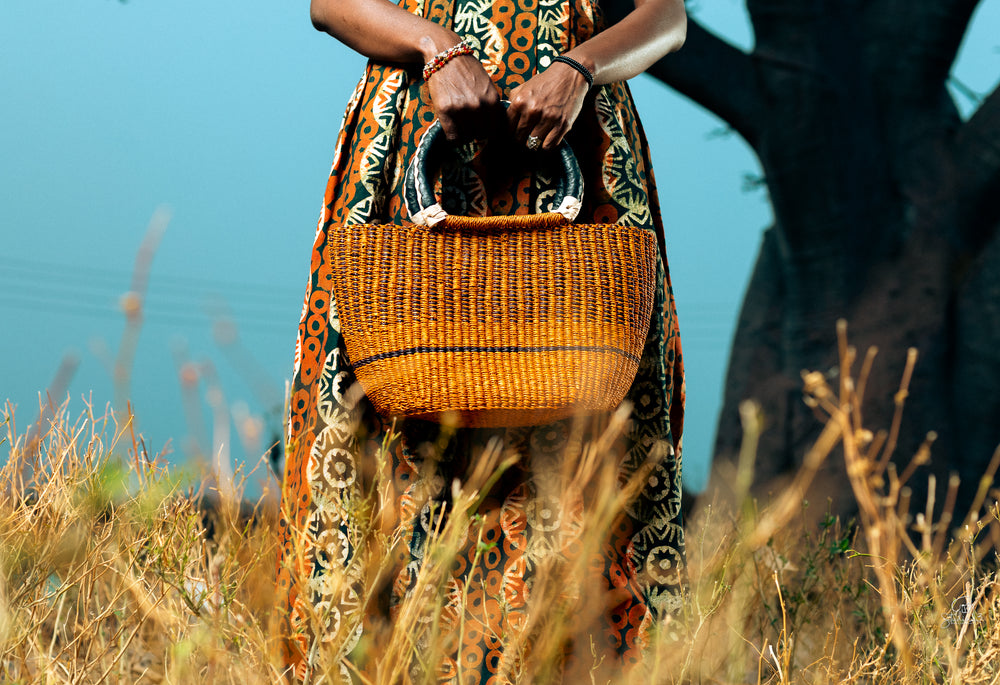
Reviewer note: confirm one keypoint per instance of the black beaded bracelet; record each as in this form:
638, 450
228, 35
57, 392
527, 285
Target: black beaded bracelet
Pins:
579, 67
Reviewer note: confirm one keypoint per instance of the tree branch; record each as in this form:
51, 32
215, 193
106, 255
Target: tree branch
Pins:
787, 29
717, 76
977, 157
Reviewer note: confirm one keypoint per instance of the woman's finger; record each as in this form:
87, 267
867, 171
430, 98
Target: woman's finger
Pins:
448, 126
553, 138
523, 115
464, 98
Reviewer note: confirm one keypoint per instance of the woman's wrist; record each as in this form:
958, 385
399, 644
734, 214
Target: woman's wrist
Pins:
581, 70
463, 47
583, 60
435, 42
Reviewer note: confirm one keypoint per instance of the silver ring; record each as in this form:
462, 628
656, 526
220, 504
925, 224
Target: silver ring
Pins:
533, 142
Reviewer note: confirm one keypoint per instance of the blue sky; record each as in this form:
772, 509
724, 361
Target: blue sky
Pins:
226, 113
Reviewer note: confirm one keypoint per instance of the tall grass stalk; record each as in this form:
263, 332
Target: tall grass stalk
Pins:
110, 573
107, 573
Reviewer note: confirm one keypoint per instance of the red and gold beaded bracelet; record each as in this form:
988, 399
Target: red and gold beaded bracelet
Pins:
442, 58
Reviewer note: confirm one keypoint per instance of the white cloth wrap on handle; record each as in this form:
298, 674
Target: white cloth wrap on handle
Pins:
570, 206
431, 216
435, 214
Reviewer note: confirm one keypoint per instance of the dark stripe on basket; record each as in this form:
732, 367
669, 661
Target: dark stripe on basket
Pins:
511, 348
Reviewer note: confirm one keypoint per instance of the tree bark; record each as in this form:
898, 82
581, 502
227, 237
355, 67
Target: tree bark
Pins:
885, 215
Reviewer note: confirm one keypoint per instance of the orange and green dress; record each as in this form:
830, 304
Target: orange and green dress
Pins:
334, 435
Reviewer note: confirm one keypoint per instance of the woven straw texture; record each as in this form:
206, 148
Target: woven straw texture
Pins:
496, 321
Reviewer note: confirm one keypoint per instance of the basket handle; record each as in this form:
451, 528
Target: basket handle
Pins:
424, 209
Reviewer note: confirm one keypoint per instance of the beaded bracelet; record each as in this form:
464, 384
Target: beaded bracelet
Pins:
584, 71
442, 58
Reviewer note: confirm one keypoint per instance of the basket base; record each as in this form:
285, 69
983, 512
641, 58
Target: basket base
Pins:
499, 389
501, 418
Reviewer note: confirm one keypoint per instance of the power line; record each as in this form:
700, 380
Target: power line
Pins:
157, 297
92, 274
153, 317
194, 308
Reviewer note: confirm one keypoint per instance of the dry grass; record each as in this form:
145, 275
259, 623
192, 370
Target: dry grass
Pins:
107, 574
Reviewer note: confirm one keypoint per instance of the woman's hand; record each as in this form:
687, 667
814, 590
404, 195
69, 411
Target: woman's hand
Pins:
465, 100
546, 106
462, 94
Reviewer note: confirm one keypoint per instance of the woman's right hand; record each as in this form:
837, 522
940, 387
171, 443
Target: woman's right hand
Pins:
465, 100
462, 94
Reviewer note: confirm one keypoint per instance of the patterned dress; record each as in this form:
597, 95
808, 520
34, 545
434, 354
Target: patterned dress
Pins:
334, 435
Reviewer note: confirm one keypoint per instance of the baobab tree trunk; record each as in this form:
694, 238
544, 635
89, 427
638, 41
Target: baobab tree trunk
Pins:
886, 212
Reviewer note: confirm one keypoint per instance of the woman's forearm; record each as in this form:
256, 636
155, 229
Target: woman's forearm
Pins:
463, 95
381, 30
653, 29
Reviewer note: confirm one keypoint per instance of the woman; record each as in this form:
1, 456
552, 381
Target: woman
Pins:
563, 72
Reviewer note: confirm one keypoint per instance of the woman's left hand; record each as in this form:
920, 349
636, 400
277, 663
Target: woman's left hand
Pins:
546, 106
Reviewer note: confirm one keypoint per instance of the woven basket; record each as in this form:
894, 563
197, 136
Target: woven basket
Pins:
493, 321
